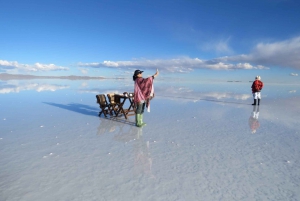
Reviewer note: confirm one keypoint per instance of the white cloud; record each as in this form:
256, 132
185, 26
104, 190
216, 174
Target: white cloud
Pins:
181, 65
293, 74
84, 70
282, 54
264, 55
9, 65
221, 46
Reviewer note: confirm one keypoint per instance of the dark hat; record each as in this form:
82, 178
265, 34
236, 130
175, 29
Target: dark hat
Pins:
137, 72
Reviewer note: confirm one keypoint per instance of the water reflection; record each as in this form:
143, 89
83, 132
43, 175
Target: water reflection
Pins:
126, 132
188, 93
253, 119
16, 88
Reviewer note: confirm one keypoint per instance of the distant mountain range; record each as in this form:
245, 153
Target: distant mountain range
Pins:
5, 76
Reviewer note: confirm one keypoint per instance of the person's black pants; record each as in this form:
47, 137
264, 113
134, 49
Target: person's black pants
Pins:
140, 108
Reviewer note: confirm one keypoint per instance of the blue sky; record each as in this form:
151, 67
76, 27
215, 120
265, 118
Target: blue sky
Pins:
192, 39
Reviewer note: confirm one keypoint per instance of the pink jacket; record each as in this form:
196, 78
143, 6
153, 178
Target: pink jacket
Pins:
143, 90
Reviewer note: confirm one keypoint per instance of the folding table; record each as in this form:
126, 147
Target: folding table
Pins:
120, 100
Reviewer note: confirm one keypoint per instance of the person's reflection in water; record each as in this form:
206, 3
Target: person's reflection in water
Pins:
253, 119
142, 160
142, 156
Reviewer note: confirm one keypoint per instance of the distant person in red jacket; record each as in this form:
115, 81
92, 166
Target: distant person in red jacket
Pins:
256, 88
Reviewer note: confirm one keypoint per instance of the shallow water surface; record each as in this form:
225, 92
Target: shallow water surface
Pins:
203, 141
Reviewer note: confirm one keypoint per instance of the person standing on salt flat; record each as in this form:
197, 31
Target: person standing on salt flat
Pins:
256, 88
143, 93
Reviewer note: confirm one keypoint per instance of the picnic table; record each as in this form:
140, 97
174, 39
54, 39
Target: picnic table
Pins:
117, 104
120, 100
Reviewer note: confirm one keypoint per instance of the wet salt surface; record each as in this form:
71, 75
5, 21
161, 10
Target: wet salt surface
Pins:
201, 142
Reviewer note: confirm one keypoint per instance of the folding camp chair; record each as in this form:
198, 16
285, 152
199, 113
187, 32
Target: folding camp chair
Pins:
113, 104
104, 106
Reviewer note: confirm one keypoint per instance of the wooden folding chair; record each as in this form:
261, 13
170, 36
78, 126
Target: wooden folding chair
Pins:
104, 106
113, 105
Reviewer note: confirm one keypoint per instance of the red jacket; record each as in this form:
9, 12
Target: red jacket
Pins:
257, 86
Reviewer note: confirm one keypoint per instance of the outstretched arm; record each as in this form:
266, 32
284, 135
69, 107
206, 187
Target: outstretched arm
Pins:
156, 74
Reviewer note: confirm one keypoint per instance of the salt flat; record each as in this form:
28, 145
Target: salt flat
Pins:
201, 142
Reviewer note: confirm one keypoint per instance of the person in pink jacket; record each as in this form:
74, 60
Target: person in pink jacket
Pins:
257, 86
143, 93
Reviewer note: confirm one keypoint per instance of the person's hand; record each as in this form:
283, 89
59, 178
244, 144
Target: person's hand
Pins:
157, 72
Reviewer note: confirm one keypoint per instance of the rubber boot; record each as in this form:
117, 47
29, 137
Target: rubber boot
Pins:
258, 101
254, 102
143, 124
137, 117
138, 120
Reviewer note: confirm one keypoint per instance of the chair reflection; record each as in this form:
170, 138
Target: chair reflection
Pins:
108, 125
253, 119
131, 135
